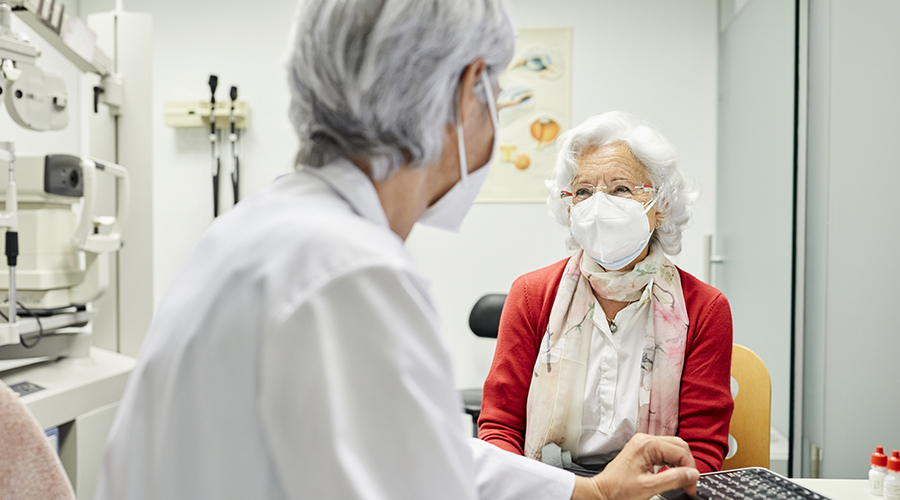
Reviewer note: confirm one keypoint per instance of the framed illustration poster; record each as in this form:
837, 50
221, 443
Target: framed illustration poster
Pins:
534, 108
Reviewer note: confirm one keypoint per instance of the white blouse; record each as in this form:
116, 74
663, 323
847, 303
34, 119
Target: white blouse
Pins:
611, 390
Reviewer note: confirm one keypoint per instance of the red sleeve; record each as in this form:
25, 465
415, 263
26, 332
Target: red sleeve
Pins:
522, 324
705, 399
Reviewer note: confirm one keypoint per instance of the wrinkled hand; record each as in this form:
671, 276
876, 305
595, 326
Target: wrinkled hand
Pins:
630, 476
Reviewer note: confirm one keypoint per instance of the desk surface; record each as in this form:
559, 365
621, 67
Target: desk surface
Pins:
73, 386
838, 489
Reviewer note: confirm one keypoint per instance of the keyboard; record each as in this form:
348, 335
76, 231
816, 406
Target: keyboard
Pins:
752, 483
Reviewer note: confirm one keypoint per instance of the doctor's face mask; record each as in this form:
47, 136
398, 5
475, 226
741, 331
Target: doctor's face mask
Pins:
450, 210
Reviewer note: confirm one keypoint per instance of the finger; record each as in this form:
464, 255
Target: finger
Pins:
682, 477
676, 441
640, 439
663, 452
672, 451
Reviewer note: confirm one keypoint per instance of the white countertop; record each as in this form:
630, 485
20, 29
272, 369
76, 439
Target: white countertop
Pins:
838, 489
73, 386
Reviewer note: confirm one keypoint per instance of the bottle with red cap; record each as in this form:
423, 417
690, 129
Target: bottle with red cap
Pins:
878, 472
892, 480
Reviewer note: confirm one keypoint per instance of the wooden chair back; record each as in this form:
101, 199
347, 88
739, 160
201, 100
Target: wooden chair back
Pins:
749, 433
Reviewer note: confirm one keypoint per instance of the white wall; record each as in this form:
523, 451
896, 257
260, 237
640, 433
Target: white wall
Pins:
191, 41
655, 58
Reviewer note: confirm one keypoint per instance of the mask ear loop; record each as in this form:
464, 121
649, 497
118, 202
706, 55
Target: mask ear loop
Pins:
492, 108
460, 139
461, 142
650, 205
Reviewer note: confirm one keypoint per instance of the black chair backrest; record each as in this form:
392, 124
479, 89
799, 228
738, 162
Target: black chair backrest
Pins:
485, 317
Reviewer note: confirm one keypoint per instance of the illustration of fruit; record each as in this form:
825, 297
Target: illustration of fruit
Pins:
545, 130
522, 161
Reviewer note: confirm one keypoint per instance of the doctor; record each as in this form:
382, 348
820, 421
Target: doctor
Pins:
298, 353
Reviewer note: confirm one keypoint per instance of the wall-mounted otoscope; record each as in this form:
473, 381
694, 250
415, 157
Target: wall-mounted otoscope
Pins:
216, 161
233, 137
208, 114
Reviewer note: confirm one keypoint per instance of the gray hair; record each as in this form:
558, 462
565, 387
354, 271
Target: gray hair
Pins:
650, 147
377, 79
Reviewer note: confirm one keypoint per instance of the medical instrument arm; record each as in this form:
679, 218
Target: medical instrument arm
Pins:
10, 221
87, 236
50, 24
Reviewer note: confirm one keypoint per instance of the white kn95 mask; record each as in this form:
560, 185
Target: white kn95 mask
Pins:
449, 211
612, 230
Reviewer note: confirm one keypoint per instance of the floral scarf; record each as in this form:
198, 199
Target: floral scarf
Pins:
556, 395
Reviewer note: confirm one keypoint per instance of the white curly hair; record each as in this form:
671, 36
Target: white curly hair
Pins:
650, 147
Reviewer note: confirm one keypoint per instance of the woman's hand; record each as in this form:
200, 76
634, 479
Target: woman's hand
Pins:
630, 475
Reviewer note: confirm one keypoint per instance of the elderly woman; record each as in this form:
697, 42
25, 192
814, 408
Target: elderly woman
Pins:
615, 339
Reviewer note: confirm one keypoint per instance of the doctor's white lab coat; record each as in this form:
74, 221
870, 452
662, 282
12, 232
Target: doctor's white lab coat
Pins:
297, 354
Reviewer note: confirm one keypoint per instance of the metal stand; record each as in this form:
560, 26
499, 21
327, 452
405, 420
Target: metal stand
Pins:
9, 333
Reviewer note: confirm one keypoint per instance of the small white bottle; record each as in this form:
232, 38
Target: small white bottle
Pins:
892, 480
878, 472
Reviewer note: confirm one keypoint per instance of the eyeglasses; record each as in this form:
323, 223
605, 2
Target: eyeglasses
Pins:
621, 189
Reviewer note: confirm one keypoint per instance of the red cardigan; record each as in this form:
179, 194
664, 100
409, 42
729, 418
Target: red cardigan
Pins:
705, 403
